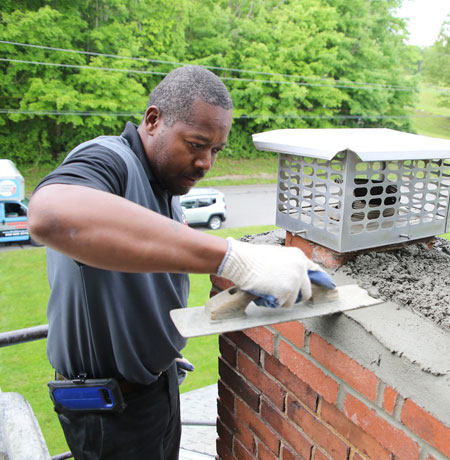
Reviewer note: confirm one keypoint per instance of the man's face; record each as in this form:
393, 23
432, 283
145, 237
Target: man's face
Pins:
180, 155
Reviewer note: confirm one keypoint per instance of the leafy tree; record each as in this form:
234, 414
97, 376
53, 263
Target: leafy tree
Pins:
77, 84
318, 63
372, 50
314, 63
436, 63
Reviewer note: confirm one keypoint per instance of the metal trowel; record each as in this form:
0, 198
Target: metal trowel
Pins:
234, 309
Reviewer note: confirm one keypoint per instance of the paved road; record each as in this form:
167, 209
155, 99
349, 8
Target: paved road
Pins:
250, 205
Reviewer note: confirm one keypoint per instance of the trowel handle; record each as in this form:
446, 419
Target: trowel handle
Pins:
230, 303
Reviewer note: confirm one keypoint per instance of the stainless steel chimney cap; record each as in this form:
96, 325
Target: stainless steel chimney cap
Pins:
353, 189
370, 144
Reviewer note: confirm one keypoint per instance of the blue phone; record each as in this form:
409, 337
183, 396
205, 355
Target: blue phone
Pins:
87, 395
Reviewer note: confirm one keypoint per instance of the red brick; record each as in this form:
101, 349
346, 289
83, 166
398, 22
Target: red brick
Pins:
238, 385
226, 396
225, 417
389, 398
357, 457
316, 430
236, 427
300, 389
258, 426
393, 439
319, 456
223, 452
425, 425
227, 350
241, 452
358, 377
316, 252
245, 344
286, 430
288, 454
255, 375
225, 435
213, 291
355, 435
294, 331
308, 372
430, 457
261, 336
220, 283
264, 453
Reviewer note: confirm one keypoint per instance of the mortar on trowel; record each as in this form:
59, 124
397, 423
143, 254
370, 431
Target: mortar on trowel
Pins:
235, 309
232, 302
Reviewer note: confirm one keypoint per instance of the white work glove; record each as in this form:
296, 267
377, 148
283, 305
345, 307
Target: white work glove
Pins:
183, 367
276, 272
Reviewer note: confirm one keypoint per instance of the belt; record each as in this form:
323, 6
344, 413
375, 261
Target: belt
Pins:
125, 386
132, 387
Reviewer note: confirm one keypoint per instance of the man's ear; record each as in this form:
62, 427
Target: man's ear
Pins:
152, 118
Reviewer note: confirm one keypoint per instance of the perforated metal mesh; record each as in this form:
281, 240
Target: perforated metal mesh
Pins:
346, 204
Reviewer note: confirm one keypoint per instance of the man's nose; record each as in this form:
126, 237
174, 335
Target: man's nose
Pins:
204, 160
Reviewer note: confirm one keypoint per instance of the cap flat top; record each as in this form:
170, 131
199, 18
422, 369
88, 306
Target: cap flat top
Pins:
370, 144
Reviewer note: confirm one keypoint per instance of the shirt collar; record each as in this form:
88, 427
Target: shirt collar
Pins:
130, 133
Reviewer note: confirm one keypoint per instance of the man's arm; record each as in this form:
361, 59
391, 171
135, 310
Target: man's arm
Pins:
107, 231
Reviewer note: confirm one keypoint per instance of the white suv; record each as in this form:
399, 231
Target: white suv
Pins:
204, 206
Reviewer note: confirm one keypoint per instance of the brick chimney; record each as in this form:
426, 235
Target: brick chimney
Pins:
367, 384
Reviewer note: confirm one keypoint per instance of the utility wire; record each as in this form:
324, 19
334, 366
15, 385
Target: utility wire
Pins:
345, 83
111, 69
71, 113
77, 66
156, 61
243, 117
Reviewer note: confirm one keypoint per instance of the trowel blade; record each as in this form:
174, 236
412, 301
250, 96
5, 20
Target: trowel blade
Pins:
195, 322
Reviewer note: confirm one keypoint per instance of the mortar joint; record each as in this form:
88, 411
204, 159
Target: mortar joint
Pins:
381, 386
398, 406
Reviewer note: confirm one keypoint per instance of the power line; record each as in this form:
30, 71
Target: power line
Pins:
348, 84
270, 116
112, 69
78, 66
69, 113
157, 61
90, 53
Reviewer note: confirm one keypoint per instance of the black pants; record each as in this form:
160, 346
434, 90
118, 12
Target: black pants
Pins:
148, 429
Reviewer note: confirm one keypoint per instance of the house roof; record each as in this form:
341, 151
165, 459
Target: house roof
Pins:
370, 144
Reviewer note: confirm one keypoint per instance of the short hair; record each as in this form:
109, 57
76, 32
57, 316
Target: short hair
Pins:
177, 91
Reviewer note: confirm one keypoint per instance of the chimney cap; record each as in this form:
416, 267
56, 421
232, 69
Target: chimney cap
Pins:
370, 144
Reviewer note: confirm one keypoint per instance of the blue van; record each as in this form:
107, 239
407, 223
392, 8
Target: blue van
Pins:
13, 221
13, 206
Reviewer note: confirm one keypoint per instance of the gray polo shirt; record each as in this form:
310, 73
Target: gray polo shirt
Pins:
109, 323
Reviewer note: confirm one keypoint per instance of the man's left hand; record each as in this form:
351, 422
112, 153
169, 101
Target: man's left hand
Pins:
183, 367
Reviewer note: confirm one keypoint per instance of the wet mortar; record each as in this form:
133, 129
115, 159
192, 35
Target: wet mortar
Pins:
414, 276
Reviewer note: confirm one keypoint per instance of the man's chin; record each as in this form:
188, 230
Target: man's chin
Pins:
179, 189
180, 186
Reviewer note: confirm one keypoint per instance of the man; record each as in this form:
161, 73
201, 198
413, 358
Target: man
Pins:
118, 257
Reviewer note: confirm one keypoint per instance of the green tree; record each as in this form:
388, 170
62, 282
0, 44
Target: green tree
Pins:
436, 63
372, 51
315, 63
48, 100
288, 64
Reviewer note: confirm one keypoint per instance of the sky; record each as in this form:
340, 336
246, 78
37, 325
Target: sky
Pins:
425, 19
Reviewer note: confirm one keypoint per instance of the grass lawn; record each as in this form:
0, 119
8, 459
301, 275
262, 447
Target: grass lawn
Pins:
24, 368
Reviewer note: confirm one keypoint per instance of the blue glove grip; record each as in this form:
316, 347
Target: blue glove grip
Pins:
321, 278
265, 300
184, 365
317, 277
